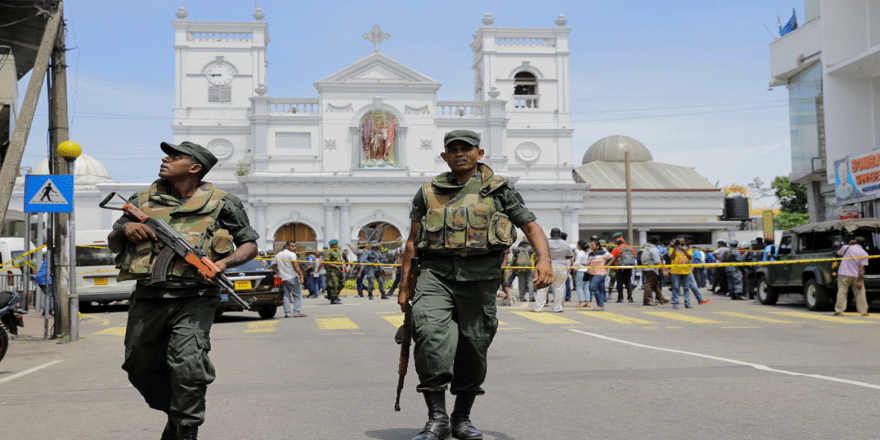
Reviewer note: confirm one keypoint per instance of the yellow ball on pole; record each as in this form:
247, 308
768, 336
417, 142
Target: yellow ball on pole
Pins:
69, 150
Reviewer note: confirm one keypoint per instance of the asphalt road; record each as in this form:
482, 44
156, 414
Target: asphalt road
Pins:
725, 370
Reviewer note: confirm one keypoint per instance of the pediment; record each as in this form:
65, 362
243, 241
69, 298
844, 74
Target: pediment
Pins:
377, 69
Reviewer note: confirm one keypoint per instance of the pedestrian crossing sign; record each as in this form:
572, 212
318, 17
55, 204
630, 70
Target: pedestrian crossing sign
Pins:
48, 193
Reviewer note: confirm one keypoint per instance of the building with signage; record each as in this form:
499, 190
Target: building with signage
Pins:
831, 66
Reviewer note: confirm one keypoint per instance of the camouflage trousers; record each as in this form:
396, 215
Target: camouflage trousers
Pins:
335, 282
734, 281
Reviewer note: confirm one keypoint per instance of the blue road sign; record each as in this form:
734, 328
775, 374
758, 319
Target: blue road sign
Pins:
48, 193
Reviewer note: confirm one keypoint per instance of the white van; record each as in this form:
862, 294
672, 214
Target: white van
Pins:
96, 270
11, 248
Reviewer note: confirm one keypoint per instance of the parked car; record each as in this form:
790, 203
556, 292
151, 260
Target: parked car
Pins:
254, 279
817, 280
96, 271
11, 248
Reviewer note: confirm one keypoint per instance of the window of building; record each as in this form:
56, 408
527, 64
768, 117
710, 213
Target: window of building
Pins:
525, 90
219, 93
803, 89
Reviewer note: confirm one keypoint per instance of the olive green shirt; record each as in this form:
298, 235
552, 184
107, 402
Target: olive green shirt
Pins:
233, 218
476, 267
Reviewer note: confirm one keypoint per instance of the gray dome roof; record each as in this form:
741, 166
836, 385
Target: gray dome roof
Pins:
612, 148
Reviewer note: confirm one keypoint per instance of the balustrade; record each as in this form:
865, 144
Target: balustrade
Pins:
525, 101
461, 110
294, 107
220, 36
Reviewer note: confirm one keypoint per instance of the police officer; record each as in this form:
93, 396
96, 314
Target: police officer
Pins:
372, 271
167, 338
334, 261
461, 223
734, 275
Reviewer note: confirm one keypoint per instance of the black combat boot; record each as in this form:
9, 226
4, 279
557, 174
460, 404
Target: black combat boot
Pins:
187, 432
170, 432
460, 418
437, 427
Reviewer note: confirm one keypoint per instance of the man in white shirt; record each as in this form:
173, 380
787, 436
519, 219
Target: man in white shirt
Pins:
291, 279
560, 254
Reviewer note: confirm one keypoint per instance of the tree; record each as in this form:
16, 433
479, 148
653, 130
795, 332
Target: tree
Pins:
792, 196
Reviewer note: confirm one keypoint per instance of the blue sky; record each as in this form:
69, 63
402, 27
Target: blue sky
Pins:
686, 78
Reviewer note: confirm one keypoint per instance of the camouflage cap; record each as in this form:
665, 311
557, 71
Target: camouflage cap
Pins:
200, 153
466, 136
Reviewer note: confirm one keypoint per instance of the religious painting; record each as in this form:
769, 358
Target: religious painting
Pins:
378, 140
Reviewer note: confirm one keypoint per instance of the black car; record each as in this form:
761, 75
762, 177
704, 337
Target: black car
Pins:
254, 279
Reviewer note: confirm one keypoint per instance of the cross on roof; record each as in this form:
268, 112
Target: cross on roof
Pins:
376, 36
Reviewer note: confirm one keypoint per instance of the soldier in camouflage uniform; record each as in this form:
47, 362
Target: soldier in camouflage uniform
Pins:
167, 339
461, 224
334, 259
734, 274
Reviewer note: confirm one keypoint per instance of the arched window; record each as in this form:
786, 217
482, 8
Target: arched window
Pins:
302, 234
525, 90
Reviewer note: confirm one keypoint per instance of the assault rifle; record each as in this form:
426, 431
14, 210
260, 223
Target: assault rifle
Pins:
175, 245
404, 333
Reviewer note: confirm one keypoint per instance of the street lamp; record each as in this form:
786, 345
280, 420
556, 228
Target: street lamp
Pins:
70, 150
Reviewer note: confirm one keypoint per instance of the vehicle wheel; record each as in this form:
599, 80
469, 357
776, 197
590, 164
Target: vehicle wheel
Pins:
218, 311
765, 293
85, 307
268, 312
815, 295
4, 340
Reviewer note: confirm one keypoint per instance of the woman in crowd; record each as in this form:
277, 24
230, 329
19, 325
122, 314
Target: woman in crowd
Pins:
596, 259
581, 278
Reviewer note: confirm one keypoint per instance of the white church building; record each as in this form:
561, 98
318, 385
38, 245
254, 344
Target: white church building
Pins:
346, 163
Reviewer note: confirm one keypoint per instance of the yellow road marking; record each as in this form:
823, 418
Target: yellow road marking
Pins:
683, 317
546, 318
620, 319
381, 313
837, 319
262, 326
738, 327
338, 314
104, 321
502, 323
116, 331
874, 316
756, 318
336, 324
512, 328
396, 320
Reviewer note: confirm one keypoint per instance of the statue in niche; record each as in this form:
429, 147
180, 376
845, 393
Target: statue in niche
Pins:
378, 129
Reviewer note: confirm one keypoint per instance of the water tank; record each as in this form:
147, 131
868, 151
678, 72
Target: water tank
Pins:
736, 208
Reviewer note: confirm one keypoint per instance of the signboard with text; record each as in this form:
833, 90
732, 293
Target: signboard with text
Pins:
768, 225
857, 178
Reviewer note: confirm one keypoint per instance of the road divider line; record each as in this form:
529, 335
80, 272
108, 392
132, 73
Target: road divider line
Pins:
620, 319
261, 327
733, 361
336, 324
756, 318
115, 331
396, 320
682, 317
546, 318
28, 371
826, 318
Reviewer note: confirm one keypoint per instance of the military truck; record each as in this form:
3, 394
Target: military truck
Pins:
817, 280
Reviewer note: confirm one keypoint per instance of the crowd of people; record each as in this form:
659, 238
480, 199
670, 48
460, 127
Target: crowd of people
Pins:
593, 269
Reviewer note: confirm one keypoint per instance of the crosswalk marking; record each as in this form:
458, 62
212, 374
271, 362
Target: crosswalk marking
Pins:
546, 318
756, 318
837, 319
336, 324
396, 320
261, 327
682, 317
115, 331
620, 319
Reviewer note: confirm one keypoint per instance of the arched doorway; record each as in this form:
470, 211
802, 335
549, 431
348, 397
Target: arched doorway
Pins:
302, 234
381, 232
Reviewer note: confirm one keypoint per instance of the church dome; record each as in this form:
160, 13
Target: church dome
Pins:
612, 149
85, 165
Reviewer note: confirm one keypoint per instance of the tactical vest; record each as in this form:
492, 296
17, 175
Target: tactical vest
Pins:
464, 221
333, 255
195, 220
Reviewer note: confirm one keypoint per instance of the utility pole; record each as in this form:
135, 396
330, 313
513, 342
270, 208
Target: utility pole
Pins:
58, 133
629, 205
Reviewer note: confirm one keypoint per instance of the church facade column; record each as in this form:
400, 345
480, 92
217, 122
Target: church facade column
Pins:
570, 223
329, 223
344, 223
260, 227
643, 236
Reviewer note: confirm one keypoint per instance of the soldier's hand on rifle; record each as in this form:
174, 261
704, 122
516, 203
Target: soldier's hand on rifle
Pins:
138, 232
402, 298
